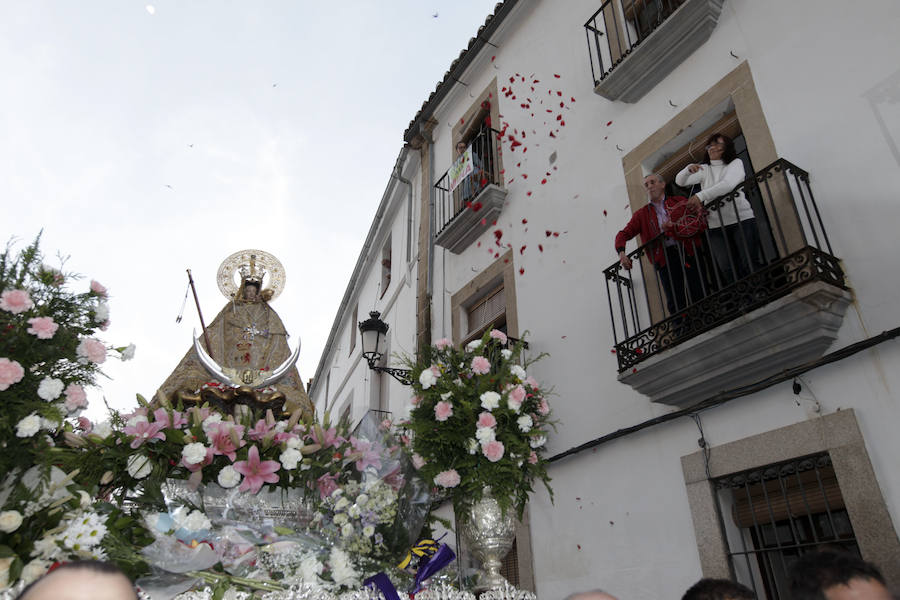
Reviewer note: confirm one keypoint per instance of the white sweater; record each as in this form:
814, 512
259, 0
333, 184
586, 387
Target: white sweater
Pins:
717, 179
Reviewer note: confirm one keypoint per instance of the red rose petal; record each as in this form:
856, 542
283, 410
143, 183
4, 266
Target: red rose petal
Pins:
555, 75
548, 233
521, 270
524, 221
522, 250
541, 247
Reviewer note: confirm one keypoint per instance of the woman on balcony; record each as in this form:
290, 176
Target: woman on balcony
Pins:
733, 236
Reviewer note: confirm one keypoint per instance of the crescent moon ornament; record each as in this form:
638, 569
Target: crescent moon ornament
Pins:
235, 377
253, 260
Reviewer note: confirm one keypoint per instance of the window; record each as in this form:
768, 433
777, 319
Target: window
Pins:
386, 266
354, 325
490, 311
488, 300
774, 514
643, 16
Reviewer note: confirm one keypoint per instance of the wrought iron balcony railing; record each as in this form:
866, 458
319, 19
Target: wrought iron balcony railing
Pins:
455, 195
733, 270
622, 25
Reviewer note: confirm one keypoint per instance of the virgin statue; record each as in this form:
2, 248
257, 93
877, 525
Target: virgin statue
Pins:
244, 357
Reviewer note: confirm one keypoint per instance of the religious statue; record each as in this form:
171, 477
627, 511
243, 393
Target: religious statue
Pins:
244, 357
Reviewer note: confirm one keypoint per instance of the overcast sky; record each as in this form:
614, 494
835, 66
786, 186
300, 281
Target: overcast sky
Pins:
145, 139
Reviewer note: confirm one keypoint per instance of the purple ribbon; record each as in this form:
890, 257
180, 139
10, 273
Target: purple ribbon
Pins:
383, 583
441, 559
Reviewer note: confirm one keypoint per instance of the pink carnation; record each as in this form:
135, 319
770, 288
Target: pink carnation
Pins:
543, 407
515, 398
481, 365
417, 461
532, 382
443, 343
443, 410
98, 289
415, 400
447, 479
10, 372
493, 450
75, 397
486, 419
85, 424
498, 335
42, 327
15, 301
92, 349
533, 458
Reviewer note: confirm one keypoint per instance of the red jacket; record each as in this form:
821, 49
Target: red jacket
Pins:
643, 222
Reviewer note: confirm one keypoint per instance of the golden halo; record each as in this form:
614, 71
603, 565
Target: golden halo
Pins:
229, 272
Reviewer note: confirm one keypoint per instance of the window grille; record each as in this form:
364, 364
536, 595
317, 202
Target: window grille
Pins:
491, 309
510, 566
774, 514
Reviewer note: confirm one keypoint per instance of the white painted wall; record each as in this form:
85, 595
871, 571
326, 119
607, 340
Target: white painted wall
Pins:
625, 505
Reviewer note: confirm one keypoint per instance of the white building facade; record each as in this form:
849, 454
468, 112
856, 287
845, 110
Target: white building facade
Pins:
783, 377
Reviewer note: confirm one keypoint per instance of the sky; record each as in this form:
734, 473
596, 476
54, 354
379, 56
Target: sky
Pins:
144, 139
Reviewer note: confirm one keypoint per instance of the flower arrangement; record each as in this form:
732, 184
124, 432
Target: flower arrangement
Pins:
479, 421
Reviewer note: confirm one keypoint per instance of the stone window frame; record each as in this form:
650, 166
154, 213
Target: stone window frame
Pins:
838, 434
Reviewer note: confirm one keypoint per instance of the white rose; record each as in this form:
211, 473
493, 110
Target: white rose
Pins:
85, 499
341, 504
194, 454
354, 512
228, 477
139, 466
485, 435
368, 531
525, 423
128, 352
5, 563
289, 458
538, 441
340, 519
211, 421
427, 378
362, 499
50, 388
10, 520
518, 371
28, 426
347, 530
490, 400
34, 569
103, 429
473, 345
472, 446
506, 353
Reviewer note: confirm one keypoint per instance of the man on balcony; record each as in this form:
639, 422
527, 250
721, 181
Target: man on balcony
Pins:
670, 232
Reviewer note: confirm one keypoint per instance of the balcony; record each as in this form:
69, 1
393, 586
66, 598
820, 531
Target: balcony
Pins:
466, 205
634, 44
762, 307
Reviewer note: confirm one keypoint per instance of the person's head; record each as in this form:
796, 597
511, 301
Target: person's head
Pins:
720, 147
81, 580
591, 595
655, 186
460, 147
718, 589
251, 290
836, 575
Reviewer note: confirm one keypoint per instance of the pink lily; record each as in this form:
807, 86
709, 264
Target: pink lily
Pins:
225, 439
326, 438
256, 472
259, 430
144, 432
370, 455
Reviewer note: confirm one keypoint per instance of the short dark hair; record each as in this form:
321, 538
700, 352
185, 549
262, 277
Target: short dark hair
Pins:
718, 589
728, 155
818, 571
97, 566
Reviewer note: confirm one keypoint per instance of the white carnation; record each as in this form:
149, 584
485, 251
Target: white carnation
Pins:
362, 499
473, 345
194, 454
427, 378
28, 426
472, 445
295, 442
50, 388
103, 429
211, 421
289, 458
506, 353
228, 477
310, 569
538, 441
485, 435
518, 371
128, 352
139, 466
341, 504
192, 521
101, 312
446, 395
10, 520
340, 519
354, 511
341, 569
347, 530
490, 400
525, 423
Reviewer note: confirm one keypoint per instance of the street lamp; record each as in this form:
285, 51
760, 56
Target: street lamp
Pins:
373, 332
